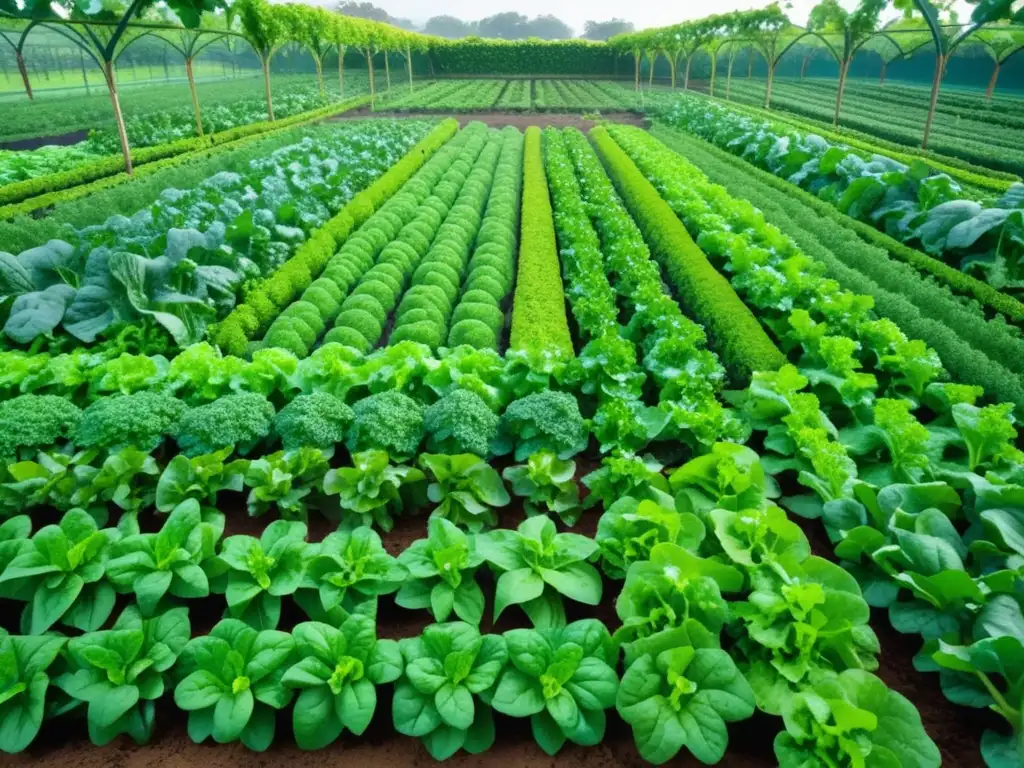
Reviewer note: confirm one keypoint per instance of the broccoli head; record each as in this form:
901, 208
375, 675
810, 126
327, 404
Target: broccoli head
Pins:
460, 422
318, 420
388, 421
546, 421
35, 421
240, 420
140, 420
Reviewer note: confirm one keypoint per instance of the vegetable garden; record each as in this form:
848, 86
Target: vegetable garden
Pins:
329, 421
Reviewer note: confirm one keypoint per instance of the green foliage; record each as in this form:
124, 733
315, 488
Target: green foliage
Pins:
465, 488
120, 672
61, 575
388, 421
336, 674
35, 421
548, 421
375, 490
523, 57
254, 574
445, 669
169, 562
139, 420
460, 422
232, 683
547, 484
318, 420
285, 480
239, 421
442, 571
563, 679
200, 478
25, 661
629, 529
626, 474
538, 566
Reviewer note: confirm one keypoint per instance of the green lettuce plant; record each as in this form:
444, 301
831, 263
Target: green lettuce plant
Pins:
563, 679
676, 695
200, 478
121, 672
626, 474
284, 479
62, 575
169, 562
539, 566
442, 574
547, 485
232, 683
852, 719
629, 529
346, 569
254, 574
373, 490
24, 680
446, 669
465, 488
336, 674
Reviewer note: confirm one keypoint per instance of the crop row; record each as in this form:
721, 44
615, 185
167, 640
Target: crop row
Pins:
193, 249
887, 487
910, 205
903, 131
979, 350
451, 95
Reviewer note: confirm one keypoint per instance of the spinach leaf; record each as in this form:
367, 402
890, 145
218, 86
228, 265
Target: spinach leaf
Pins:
373, 490
24, 660
466, 489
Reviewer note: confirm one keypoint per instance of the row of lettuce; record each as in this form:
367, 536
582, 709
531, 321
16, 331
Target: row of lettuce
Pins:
176, 265
908, 202
901, 465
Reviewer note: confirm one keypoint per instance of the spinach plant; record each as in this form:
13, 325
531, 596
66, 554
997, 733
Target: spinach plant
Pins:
335, 675
232, 683
153, 565
254, 574
24, 680
62, 575
445, 668
442, 570
200, 478
372, 490
284, 480
677, 695
346, 569
563, 679
853, 719
121, 672
466, 489
548, 485
538, 566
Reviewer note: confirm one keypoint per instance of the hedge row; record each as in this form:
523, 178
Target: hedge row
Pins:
263, 304
479, 317
426, 308
957, 281
538, 312
44, 191
735, 333
523, 57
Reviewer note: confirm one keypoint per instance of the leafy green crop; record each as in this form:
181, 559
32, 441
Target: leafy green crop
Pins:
374, 489
466, 489
546, 421
547, 484
629, 529
538, 566
445, 668
626, 474
153, 565
254, 574
563, 679
24, 661
62, 575
233, 683
284, 480
346, 569
335, 674
853, 719
676, 696
121, 672
442, 570
200, 478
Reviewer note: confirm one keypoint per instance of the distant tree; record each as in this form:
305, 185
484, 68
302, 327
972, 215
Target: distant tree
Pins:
372, 12
602, 30
507, 26
547, 27
449, 26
